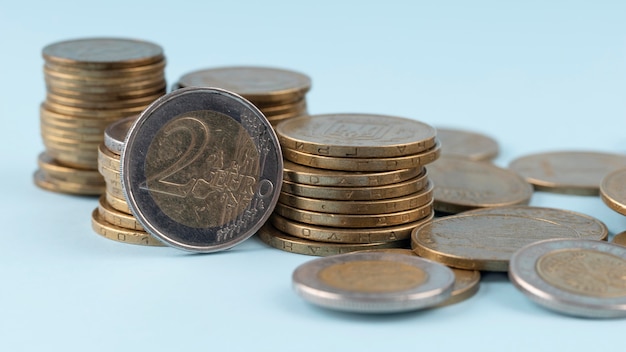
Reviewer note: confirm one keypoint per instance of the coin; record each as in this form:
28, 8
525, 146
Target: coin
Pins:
575, 277
53, 169
269, 235
117, 203
114, 188
92, 113
108, 159
569, 172
120, 234
43, 181
587, 226
613, 190
115, 134
346, 235
620, 238
462, 184
467, 144
201, 169
110, 174
482, 242
356, 136
143, 70
373, 282
116, 217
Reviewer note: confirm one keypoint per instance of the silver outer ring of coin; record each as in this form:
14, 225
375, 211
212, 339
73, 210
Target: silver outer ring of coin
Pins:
169, 106
523, 274
436, 289
115, 134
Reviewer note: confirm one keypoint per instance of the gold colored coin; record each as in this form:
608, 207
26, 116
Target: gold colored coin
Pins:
346, 235
357, 193
54, 170
297, 173
117, 203
120, 234
114, 188
354, 220
115, 103
78, 136
482, 242
356, 136
467, 144
91, 113
364, 207
105, 94
462, 184
108, 159
284, 109
363, 164
569, 172
42, 180
620, 238
79, 78
72, 122
76, 159
110, 174
275, 238
143, 70
613, 190
116, 217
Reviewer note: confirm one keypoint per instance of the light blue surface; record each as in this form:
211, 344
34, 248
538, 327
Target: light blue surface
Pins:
535, 75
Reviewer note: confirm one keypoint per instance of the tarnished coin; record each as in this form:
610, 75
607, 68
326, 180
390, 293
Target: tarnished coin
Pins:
115, 134
373, 282
201, 169
482, 242
356, 135
277, 239
587, 226
462, 184
120, 234
613, 190
467, 144
619, 238
576, 277
570, 172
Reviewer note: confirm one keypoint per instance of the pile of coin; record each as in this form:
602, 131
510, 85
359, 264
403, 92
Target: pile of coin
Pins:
351, 182
91, 83
280, 94
112, 218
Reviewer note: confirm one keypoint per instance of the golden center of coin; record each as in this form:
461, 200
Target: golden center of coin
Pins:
372, 276
584, 272
201, 169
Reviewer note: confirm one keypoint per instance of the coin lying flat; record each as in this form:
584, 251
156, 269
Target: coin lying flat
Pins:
587, 226
462, 184
201, 169
120, 234
115, 134
373, 282
575, 277
613, 190
570, 172
482, 242
467, 144
619, 238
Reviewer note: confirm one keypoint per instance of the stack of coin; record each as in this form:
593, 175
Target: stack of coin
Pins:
112, 218
279, 94
91, 83
351, 182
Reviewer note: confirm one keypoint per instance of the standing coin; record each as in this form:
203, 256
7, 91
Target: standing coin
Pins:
575, 277
201, 169
570, 172
467, 144
613, 190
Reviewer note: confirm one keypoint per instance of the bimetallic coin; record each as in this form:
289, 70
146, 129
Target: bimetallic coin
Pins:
462, 184
569, 172
356, 135
373, 282
613, 190
575, 277
115, 134
620, 239
201, 169
467, 144
482, 242
120, 234
587, 226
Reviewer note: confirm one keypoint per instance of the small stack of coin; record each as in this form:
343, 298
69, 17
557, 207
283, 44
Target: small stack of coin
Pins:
351, 182
112, 218
91, 83
279, 94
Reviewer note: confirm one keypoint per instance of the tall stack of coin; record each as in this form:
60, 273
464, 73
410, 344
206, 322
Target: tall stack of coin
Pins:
279, 94
112, 218
351, 182
90, 84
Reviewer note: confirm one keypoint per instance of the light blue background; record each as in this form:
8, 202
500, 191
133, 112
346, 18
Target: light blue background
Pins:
535, 75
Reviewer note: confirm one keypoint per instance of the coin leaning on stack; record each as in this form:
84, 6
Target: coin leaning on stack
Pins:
91, 83
280, 94
351, 182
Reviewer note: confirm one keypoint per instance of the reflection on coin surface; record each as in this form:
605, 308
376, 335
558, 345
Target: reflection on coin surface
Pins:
482, 242
462, 184
467, 144
613, 190
369, 282
568, 172
576, 277
201, 169
115, 134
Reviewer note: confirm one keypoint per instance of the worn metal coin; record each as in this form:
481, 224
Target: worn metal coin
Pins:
570, 172
613, 190
201, 169
619, 238
576, 277
369, 282
467, 144
115, 134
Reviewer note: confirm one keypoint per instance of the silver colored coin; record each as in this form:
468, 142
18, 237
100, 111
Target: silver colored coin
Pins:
201, 169
373, 282
115, 134
583, 278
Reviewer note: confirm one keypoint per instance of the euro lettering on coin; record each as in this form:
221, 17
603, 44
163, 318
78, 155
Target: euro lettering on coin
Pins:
201, 169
